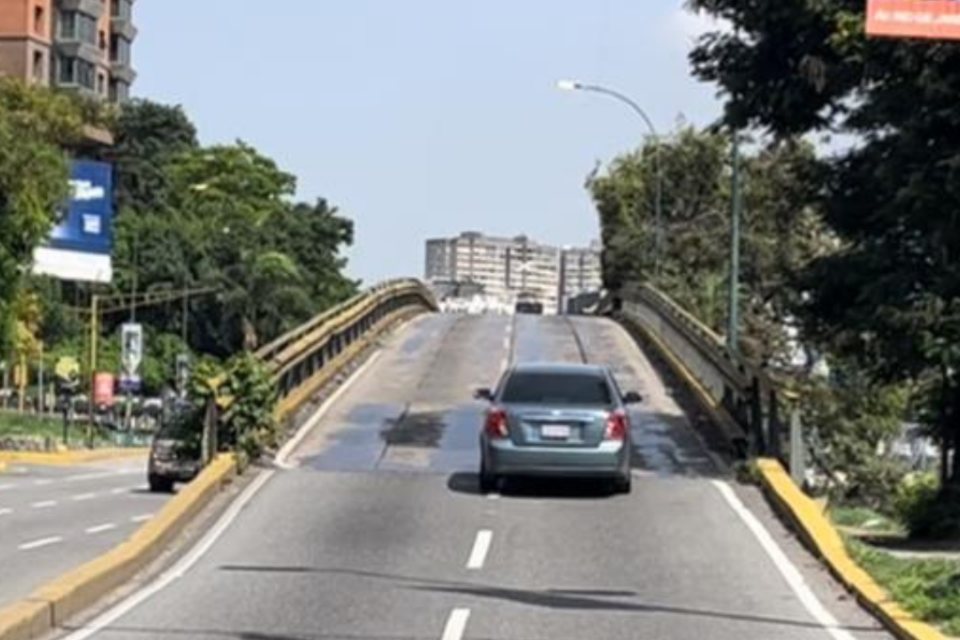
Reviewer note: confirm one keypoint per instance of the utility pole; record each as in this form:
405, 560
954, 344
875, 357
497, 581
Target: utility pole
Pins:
733, 328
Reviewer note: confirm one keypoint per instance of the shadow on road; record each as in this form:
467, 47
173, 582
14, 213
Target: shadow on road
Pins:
563, 488
617, 600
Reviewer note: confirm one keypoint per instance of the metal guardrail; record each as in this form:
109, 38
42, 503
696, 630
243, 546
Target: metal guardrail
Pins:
743, 391
296, 358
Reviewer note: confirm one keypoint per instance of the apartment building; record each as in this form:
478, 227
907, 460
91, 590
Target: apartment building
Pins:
507, 267
81, 45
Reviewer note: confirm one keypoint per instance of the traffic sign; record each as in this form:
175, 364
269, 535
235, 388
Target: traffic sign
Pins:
131, 350
130, 384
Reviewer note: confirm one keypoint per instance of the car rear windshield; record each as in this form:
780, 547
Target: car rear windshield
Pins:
557, 388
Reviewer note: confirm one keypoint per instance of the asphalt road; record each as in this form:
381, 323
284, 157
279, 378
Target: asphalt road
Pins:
53, 519
380, 532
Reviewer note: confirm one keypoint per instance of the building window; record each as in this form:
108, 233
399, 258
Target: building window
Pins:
101, 84
119, 50
39, 70
38, 20
119, 91
75, 71
121, 9
103, 41
78, 26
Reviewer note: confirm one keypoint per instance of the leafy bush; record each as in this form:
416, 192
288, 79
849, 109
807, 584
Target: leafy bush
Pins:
925, 509
251, 426
849, 421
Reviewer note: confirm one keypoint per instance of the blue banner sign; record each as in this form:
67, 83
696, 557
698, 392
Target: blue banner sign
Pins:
81, 243
87, 222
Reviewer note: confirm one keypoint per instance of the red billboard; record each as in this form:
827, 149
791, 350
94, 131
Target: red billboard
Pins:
914, 18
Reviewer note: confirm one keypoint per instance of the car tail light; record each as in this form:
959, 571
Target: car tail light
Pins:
617, 426
496, 423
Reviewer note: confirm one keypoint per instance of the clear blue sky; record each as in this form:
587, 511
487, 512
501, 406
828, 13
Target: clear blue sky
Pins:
423, 118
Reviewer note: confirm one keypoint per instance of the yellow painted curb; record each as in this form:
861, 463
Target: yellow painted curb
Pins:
52, 604
66, 458
3, 466
822, 538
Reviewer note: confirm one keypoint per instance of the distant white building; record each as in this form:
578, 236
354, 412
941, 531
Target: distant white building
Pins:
507, 267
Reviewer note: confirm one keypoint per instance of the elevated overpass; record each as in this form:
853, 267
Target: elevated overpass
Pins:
374, 527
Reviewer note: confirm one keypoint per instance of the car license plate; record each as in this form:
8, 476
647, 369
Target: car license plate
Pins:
555, 432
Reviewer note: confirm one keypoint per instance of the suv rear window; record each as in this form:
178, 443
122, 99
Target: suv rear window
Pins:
557, 388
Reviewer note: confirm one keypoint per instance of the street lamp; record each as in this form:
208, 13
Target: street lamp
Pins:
570, 85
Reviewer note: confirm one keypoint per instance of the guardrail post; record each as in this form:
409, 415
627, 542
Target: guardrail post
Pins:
755, 416
775, 428
798, 463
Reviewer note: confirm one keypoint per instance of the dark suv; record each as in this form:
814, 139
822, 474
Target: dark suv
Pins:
529, 306
175, 455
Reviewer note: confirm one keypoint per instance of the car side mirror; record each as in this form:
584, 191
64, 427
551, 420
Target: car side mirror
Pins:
632, 397
483, 394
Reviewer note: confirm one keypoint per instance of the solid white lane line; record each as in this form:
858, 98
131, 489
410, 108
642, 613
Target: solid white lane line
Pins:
786, 568
480, 548
45, 504
293, 443
141, 518
5, 512
43, 542
456, 624
101, 528
179, 569
84, 496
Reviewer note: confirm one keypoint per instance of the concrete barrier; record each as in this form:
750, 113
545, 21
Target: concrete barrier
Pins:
52, 604
820, 536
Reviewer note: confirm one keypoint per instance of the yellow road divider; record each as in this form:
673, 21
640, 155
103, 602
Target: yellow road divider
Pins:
69, 457
820, 536
49, 606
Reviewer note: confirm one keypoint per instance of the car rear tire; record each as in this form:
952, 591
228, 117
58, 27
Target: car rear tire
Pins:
624, 484
159, 484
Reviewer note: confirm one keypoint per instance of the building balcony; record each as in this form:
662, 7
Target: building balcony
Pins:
123, 26
72, 48
123, 71
90, 7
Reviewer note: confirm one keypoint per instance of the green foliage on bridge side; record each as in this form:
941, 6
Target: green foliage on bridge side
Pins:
889, 297
780, 237
244, 391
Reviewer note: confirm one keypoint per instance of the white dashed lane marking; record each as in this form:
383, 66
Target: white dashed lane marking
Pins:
141, 518
84, 496
45, 504
480, 548
42, 542
101, 528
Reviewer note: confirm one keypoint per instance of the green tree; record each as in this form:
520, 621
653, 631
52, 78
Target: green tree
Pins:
147, 137
889, 297
34, 123
779, 236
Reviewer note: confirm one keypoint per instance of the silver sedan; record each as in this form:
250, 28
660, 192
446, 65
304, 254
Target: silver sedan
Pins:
563, 420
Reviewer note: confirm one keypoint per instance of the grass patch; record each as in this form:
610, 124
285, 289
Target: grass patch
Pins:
865, 519
39, 427
927, 588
